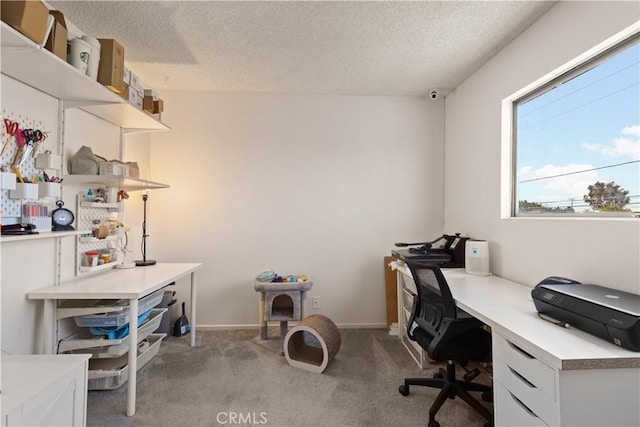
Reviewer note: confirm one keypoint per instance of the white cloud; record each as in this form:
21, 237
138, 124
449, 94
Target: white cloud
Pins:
566, 186
627, 146
632, 130
574, 185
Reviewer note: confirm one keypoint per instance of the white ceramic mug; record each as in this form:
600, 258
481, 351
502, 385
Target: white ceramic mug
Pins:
80, 54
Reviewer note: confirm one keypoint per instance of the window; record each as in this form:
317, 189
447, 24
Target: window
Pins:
574, 136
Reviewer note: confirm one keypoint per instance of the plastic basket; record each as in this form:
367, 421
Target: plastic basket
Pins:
120, 318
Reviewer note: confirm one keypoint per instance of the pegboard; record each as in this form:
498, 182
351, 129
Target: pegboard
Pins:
87, 217
12, 208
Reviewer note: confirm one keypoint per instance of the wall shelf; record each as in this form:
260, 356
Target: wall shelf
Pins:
49, 74
43, 235
125, 183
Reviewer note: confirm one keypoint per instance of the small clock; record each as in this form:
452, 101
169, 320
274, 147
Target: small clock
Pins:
61, 218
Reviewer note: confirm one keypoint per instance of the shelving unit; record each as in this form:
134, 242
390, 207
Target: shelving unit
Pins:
28, 63
34, 66
47, 235
125, 183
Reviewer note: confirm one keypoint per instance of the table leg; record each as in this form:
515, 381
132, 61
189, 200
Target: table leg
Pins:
262, 317
50, 324
133, 357
193, 309
284, 327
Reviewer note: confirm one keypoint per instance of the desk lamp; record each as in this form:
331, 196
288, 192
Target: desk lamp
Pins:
144, 261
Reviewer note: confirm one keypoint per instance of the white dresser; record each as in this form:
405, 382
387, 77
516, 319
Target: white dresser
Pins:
44, 390
544, 374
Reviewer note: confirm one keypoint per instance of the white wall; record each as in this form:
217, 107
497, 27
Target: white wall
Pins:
316, 185
25, 265
598, 251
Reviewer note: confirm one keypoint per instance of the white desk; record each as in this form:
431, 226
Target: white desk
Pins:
573, 378
131, 284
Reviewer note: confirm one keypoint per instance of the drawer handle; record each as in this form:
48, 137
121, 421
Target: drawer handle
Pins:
520, 350
525, 407
410, 292
521, 378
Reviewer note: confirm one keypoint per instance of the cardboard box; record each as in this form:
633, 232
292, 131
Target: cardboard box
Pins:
133, 96
152, 106
152, 93
147, 104
57, 41
111, 70
126, 76
158, 106
28, 17
135, 83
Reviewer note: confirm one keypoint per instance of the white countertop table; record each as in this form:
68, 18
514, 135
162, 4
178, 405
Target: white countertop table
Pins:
131, 284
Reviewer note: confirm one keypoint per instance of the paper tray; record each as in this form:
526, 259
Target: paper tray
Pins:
109, 374
121, 318
100, 347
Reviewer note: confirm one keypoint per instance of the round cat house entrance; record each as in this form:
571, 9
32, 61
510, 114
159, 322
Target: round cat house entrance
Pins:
312, 344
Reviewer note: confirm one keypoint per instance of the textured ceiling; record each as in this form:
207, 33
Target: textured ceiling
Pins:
338, 47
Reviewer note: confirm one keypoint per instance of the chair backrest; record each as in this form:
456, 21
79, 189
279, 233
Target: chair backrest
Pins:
434, 302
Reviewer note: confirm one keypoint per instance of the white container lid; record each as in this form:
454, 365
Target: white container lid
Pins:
94, 42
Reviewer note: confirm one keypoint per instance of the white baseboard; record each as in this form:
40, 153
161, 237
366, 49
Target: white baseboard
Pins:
291, 323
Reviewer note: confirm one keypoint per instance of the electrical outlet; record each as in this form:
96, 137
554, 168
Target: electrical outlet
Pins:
316, 302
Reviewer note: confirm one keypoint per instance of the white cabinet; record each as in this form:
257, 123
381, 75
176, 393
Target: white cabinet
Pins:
406, 292
528, 392
44, 390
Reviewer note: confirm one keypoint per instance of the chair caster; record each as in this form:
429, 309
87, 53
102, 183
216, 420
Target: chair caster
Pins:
487, 396
404, 390
433, 423
470, 375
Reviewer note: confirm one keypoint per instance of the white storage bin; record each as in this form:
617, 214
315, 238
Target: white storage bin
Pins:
101, 347
109, 374
114, 168
48, 161
24, 191
48, 189
121, 318
7, 181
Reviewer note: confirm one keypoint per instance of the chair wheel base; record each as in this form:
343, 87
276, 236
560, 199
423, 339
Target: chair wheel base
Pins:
487, 396
404, 390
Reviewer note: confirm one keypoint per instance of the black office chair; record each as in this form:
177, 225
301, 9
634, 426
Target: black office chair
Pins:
447, 334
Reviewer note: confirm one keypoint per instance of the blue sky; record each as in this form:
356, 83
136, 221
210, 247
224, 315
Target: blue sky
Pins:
588, 122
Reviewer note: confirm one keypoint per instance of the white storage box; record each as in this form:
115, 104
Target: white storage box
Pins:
109, 374
101, 347
119, 318
114, 168
24, 191
7, 181
48, 161
48, 189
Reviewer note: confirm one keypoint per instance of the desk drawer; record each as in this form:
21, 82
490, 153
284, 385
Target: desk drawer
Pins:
526, 365
526, 392
510, 411
407, 298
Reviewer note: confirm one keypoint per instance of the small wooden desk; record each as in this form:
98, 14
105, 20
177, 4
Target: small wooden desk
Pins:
131, 284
